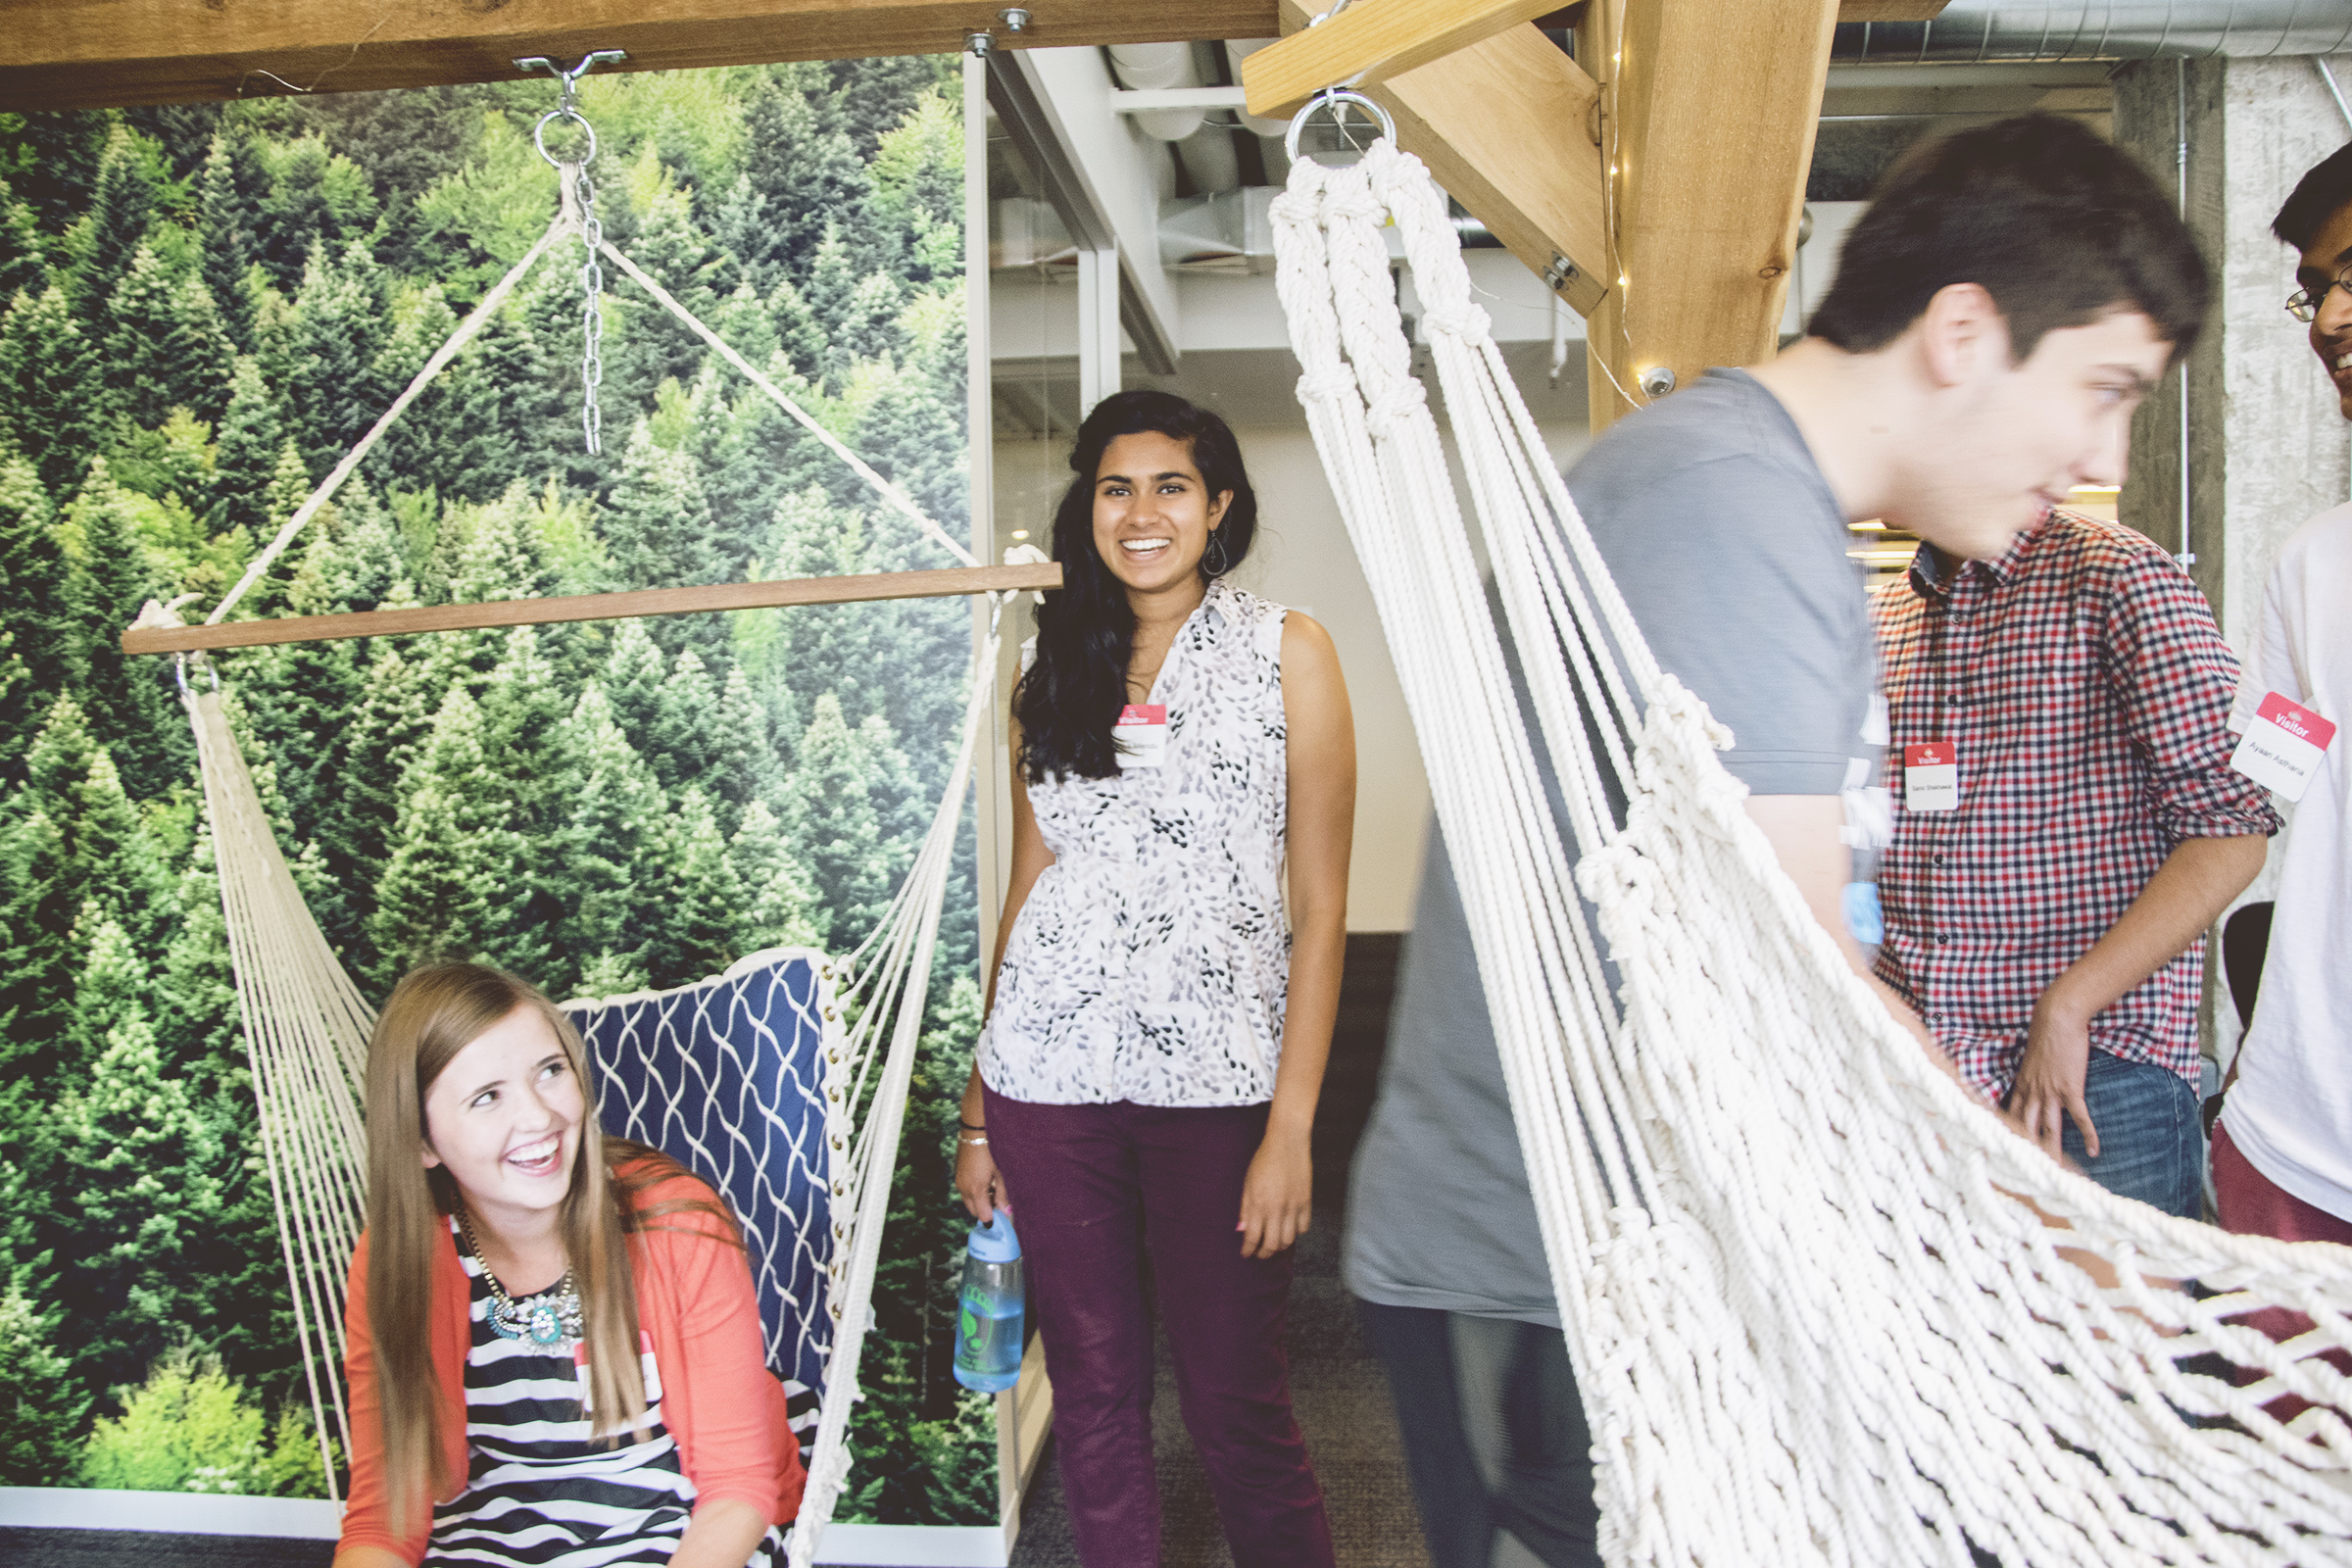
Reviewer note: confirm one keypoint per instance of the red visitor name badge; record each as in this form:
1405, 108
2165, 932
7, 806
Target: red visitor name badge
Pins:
1141, 734
2282, 748
1932, 776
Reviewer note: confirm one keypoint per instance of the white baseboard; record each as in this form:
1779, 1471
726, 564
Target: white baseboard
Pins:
207, 1514
915, 1546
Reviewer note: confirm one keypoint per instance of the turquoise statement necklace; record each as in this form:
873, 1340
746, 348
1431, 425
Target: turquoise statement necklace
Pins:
549, 1321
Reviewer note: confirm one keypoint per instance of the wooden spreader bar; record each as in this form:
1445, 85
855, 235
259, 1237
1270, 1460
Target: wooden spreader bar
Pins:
1043, 575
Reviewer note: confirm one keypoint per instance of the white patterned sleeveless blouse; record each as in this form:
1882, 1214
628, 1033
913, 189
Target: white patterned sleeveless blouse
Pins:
1151, 960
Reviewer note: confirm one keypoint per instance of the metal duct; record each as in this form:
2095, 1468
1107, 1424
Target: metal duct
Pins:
1972, 32
1210, 159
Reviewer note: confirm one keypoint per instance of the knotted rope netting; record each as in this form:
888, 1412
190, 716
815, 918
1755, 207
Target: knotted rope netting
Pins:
1818, 1300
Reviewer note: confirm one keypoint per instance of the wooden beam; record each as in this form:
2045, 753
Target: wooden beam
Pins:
90, 54
595, 606
1890, 10
1715, 103
1503, 126
1373, 40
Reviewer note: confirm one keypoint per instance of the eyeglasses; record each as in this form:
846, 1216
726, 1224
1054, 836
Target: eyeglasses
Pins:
2303, 304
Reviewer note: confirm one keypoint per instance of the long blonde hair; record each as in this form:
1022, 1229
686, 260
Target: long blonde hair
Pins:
435, 1012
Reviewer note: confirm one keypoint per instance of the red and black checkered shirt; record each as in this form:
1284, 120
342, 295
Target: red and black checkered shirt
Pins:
2088, 689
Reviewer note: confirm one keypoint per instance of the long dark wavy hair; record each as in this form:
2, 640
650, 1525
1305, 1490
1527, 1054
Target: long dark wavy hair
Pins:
1069, 699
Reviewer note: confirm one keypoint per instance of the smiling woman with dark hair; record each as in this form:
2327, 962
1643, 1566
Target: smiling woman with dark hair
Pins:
1160, 1014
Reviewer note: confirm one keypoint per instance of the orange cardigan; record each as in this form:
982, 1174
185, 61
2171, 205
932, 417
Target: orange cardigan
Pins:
719, 1399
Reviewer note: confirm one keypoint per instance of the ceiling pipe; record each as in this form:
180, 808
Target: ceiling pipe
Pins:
1974, 32
1156, 66
1238, 50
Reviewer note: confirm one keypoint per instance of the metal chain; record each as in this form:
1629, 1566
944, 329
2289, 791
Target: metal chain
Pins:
592, 316
580, 192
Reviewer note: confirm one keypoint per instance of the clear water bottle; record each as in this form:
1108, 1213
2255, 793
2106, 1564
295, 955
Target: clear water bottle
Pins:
988, 1312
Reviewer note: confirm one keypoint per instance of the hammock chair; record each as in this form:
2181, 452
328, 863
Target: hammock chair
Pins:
783, 1081
1815, 1297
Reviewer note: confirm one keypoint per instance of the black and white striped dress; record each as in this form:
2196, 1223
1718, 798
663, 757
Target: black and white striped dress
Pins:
540, 1491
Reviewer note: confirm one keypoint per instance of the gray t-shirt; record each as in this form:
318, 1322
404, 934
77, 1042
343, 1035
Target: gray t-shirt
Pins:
1730, 549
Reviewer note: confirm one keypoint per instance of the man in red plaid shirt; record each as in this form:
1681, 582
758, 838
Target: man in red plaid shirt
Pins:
2070, 827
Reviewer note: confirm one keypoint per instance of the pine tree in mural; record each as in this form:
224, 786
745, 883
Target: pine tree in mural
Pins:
41, 1402
226, 231
51, 385
142, 1180
199, 309
326, 351
36, 585
120, 211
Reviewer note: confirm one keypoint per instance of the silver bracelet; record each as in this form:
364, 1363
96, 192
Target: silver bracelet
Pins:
976, 1142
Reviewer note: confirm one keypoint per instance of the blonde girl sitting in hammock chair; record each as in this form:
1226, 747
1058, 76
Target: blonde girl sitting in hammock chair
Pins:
554, 1348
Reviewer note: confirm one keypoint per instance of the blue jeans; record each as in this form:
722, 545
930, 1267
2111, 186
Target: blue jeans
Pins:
2151, 1140
1494, 1436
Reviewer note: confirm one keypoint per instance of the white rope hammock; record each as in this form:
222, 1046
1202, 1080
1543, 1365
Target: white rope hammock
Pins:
306, 1024
1811, 1317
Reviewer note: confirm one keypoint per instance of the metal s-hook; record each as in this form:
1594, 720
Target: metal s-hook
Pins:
571, 78
179, 673
1336, 99
567, 106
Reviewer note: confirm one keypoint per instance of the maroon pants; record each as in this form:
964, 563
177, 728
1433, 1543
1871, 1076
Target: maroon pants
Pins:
2250, 1203
1093, 1188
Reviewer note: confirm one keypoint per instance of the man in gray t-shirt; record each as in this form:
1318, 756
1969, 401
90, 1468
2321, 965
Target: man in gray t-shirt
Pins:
1721, 470
1967, 368
1440, 1217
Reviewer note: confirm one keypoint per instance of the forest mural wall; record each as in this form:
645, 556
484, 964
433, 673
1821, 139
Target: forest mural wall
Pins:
199, 309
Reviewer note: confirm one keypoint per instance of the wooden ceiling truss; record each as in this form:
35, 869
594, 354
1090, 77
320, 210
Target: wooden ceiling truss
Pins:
1658, 193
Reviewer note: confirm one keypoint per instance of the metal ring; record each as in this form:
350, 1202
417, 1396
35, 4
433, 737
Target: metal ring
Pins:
1334, 96
564, 112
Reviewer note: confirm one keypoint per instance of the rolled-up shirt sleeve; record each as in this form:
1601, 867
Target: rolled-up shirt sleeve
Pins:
2178, 680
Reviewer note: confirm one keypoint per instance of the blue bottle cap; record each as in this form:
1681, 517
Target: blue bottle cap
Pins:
994, 1242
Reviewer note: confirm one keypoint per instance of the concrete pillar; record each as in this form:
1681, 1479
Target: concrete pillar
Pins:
2266, 446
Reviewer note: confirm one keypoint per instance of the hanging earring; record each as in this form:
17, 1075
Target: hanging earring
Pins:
1213, 559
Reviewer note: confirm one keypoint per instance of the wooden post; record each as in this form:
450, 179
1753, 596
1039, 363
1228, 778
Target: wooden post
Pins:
1709, 116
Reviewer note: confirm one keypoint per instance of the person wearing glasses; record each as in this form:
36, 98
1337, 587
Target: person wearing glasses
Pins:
2282, 1147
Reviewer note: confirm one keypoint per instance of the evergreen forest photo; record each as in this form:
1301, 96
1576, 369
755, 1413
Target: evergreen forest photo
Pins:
202, 308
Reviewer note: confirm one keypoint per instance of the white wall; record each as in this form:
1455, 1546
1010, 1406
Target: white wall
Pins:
1303, 559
